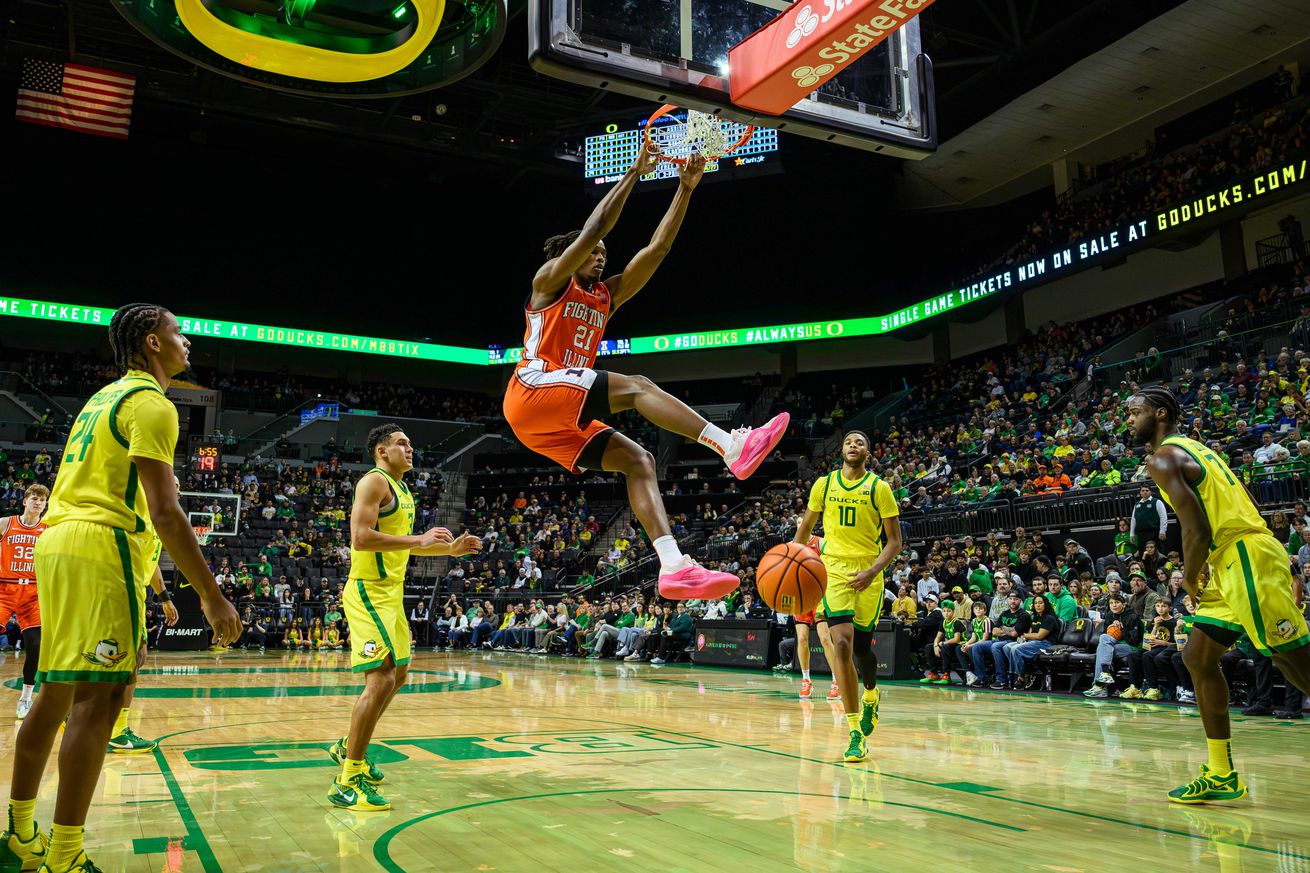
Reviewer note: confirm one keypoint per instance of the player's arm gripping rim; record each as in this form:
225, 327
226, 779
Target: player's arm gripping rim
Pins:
174, 531
1167, 467
370, 496
639, 270
554, 275
891, 547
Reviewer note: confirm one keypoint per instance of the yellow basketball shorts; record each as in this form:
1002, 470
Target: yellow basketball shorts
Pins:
92, 602
375, 611
1250, 589
841, 603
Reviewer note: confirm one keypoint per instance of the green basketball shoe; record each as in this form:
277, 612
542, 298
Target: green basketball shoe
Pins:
858, 749
869, 712
337, 751
1208, 787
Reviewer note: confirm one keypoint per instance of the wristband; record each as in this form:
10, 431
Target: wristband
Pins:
165, 596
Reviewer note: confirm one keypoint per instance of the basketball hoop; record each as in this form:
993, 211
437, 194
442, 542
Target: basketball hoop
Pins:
677, 137
202, 533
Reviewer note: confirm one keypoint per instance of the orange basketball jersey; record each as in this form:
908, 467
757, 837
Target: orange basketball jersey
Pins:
567, 333
17, 546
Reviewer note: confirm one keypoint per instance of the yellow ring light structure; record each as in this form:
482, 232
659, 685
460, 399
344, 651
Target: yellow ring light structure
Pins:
306, 61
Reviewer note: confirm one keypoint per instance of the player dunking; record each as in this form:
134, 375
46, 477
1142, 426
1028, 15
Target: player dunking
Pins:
861, 536
117, 471
555, 401
381, 540
18, 536
1249, 587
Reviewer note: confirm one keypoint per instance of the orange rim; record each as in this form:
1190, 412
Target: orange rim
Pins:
674, 159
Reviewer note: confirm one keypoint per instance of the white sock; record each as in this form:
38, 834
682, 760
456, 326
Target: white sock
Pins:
716, 438
805, 674
667, 548
27, 693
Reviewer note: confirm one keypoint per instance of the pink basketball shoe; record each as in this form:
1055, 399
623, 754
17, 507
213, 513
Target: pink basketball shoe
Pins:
756, 444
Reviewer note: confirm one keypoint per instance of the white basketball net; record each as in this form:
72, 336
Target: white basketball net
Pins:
700, 134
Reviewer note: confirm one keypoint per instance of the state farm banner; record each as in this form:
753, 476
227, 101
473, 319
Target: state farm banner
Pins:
778, 65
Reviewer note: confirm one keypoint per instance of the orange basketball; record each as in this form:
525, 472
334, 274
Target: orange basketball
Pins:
791, 578
1115, 631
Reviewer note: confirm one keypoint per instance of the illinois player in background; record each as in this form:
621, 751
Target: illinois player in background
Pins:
555, 401
18, 535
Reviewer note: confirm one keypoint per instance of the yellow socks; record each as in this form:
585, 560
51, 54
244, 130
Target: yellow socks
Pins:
65, 846
1221, 756
350, 769
121, 724
871, 695
20, 818
853, 719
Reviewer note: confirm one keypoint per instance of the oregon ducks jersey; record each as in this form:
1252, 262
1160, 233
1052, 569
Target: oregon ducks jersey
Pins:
1224, 500
395, 519
97, 481
853, 513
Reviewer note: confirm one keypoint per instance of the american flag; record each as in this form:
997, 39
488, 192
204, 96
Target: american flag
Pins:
76, 97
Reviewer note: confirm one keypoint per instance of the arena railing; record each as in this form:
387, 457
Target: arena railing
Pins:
1276, 325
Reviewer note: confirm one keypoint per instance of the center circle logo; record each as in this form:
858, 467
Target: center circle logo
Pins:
806, 21
808, 77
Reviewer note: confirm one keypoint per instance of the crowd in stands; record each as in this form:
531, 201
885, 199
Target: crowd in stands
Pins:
81, 374
1256, 140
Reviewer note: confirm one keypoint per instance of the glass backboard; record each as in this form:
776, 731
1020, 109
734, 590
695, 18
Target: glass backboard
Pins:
676, 51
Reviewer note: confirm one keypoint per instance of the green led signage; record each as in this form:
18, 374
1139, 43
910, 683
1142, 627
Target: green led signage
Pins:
1197, 213
257, 333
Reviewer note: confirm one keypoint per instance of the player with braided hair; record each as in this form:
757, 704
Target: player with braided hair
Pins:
1249, 584
556, 402
117, 472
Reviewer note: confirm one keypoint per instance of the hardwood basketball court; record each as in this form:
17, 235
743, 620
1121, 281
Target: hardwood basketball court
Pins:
511, 762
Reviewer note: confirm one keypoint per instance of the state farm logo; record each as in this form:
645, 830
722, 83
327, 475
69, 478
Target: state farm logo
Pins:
808, 77
806, 21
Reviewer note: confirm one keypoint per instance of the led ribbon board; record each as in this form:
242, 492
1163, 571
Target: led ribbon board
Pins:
1196, 213
67, 313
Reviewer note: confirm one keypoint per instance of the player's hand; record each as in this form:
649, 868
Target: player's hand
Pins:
646, 160
141, 656
433, 537
689, 174
464, 544
170, 613
861, 580
223, 619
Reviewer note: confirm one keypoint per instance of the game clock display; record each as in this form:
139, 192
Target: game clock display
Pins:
207, 457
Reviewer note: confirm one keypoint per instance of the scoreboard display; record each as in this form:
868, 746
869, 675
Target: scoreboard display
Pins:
607, 156
207, 457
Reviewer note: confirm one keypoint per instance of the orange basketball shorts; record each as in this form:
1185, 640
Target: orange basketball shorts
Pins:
18, 598
543, 407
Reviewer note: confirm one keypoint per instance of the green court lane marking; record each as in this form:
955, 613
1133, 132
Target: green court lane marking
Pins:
195, 835
998, 797
382, 847
450, 683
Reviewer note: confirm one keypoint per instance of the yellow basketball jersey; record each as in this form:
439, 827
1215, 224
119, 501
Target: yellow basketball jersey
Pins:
852, 513
397, 521
97, 481
156, 550
1226, 504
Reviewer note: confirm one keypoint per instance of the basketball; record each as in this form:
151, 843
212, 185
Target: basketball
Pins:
1115, 631
791, 578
